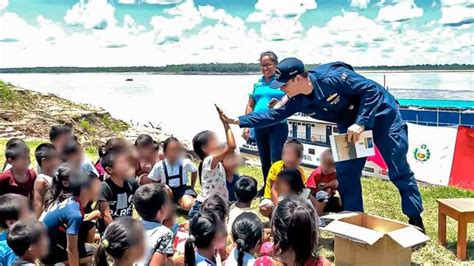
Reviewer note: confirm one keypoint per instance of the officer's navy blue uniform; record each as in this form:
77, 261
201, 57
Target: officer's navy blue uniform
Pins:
344, 97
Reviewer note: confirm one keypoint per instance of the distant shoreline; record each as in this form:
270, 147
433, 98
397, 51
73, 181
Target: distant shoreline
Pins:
225, 69
238, 73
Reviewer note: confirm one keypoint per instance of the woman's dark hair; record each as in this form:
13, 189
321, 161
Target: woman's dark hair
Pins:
294, 228
58, 191
293, 177
297, 146
144, 140
203, 227
120, 235
217, 205
247, 231
273, 57
168, 141
246, 189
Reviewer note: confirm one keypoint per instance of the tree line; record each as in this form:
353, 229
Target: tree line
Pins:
212, 68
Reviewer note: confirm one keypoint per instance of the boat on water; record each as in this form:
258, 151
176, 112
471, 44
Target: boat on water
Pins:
315, 134
129, 79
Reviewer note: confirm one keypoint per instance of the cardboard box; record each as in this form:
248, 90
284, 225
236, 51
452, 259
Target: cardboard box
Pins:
364, 239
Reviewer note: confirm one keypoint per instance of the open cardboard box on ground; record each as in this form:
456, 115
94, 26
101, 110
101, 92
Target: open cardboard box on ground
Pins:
364, 239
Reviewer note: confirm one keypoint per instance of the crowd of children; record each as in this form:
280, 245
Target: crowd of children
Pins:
123, 210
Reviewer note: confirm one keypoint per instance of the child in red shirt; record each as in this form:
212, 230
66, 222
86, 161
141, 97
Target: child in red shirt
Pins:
18, 179
323, 183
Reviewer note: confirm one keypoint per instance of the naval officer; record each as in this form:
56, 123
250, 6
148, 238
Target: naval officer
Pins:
334, 92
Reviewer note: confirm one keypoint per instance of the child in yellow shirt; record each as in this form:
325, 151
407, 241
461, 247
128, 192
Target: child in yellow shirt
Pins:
291, 159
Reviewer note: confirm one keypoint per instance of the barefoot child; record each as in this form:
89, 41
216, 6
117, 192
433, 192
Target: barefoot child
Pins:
174, 171
213, 177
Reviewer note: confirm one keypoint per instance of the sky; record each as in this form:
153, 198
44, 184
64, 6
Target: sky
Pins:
162, 32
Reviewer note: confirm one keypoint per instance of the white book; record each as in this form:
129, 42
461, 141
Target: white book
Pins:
343, 150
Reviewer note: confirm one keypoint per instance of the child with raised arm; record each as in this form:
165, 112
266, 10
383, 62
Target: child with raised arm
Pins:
212, 173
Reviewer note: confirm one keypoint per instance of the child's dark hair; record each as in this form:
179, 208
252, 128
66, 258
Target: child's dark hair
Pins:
71, 147
58, 190
119, 236
246, 189
149, 199
43, 152
247, 231
59, 130
203, 227
24, 234
217, 205
108, 160
10, 208
199, 141
294, 228
297, 146
79, 181
294, 179
112, 144
168, 141
16, 151
14, 142
144, 140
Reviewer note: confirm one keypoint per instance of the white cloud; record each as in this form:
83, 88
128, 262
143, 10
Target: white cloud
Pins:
185, 16
3, 4
362, 4
266, 9
457, 12
91, 14
280, 19
401, 11
181, 37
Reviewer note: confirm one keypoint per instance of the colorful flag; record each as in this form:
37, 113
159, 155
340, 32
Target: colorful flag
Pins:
462, 171
430, 153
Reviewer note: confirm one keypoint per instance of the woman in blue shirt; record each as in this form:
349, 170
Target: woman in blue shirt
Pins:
269, 139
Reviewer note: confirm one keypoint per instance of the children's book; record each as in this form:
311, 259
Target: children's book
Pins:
344, 150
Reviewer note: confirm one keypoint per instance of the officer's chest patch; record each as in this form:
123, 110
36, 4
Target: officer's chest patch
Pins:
333, 98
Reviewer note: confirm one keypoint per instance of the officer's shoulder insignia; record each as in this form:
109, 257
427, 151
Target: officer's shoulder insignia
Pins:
343, 76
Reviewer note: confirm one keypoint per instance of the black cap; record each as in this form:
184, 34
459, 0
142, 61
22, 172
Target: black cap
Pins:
287, 69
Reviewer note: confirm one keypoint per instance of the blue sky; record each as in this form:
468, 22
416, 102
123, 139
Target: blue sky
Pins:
160, 32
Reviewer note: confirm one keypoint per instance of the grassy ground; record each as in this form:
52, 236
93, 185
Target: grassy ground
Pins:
382, 198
